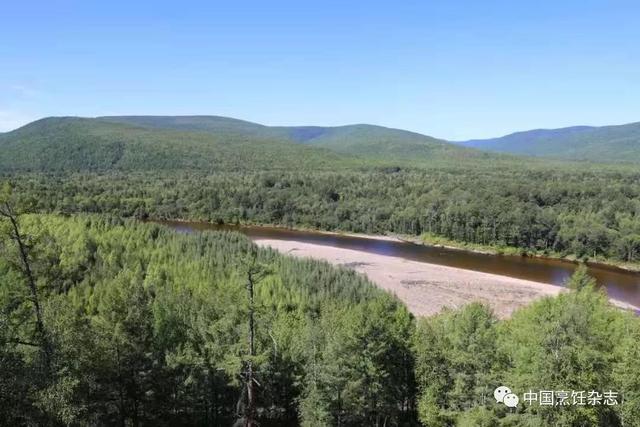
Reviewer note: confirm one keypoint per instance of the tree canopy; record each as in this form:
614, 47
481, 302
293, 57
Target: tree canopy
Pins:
148, 326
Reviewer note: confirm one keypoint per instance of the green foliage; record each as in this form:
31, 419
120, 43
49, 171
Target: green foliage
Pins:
364, 375
590, 214
77, 144
477, 417
565, 343
627, 374
581, 280
149, 327
364, 140
575, 341
218, 144
456, 363
230, 171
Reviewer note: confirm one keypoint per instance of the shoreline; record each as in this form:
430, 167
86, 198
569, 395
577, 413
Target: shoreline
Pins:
426, 289
492, 250
417, 240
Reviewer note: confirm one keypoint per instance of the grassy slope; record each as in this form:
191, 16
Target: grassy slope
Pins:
601, 144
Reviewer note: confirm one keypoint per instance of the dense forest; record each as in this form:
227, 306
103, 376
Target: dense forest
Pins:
591, 213
356, 178
142, 326
108, 320
212, 145
79, 144
112, 322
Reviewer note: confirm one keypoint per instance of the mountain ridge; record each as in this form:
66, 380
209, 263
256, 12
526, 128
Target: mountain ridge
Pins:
202, 142
209, 143
612, 143
88, 144
350, 138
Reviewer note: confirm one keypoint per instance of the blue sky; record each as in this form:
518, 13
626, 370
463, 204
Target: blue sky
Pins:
451, 69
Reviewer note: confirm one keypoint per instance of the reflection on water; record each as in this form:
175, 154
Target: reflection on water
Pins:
620, 284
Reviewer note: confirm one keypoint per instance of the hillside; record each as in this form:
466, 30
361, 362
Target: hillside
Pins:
171, 309
210, 124
210, 143
361, 139
372, 140
602, 144
79, 144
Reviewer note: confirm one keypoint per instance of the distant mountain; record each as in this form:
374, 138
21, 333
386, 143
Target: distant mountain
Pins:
81, 144
360, 139
601, 144
209, 143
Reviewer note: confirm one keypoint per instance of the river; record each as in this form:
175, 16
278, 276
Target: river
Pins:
620, 284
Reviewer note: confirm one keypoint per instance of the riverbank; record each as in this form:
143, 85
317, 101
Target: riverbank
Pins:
430, 240
433, 241
426, 288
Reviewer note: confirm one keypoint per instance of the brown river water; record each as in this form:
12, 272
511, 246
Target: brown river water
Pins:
620, 284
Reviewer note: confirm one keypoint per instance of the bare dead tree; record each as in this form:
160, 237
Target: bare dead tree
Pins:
254, 274
8, 212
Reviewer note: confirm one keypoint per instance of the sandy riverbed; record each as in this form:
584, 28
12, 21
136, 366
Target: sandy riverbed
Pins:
426, 288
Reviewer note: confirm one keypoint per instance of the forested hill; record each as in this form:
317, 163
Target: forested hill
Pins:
142, 326
80, 144
360, 139
601, 144
148, 327
209, 143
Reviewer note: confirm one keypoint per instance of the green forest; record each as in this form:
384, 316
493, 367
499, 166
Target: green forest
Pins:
114, 322
108, 319
360, 178
589, 214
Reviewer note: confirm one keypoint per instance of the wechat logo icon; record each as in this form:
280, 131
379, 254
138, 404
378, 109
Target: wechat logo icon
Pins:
504, 395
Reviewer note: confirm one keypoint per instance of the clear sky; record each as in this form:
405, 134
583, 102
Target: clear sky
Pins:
451, 69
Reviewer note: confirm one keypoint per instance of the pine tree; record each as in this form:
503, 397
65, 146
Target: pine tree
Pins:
581, 280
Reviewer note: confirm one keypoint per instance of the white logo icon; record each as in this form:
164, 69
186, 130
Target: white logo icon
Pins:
504, 395
500, 393
511, 400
